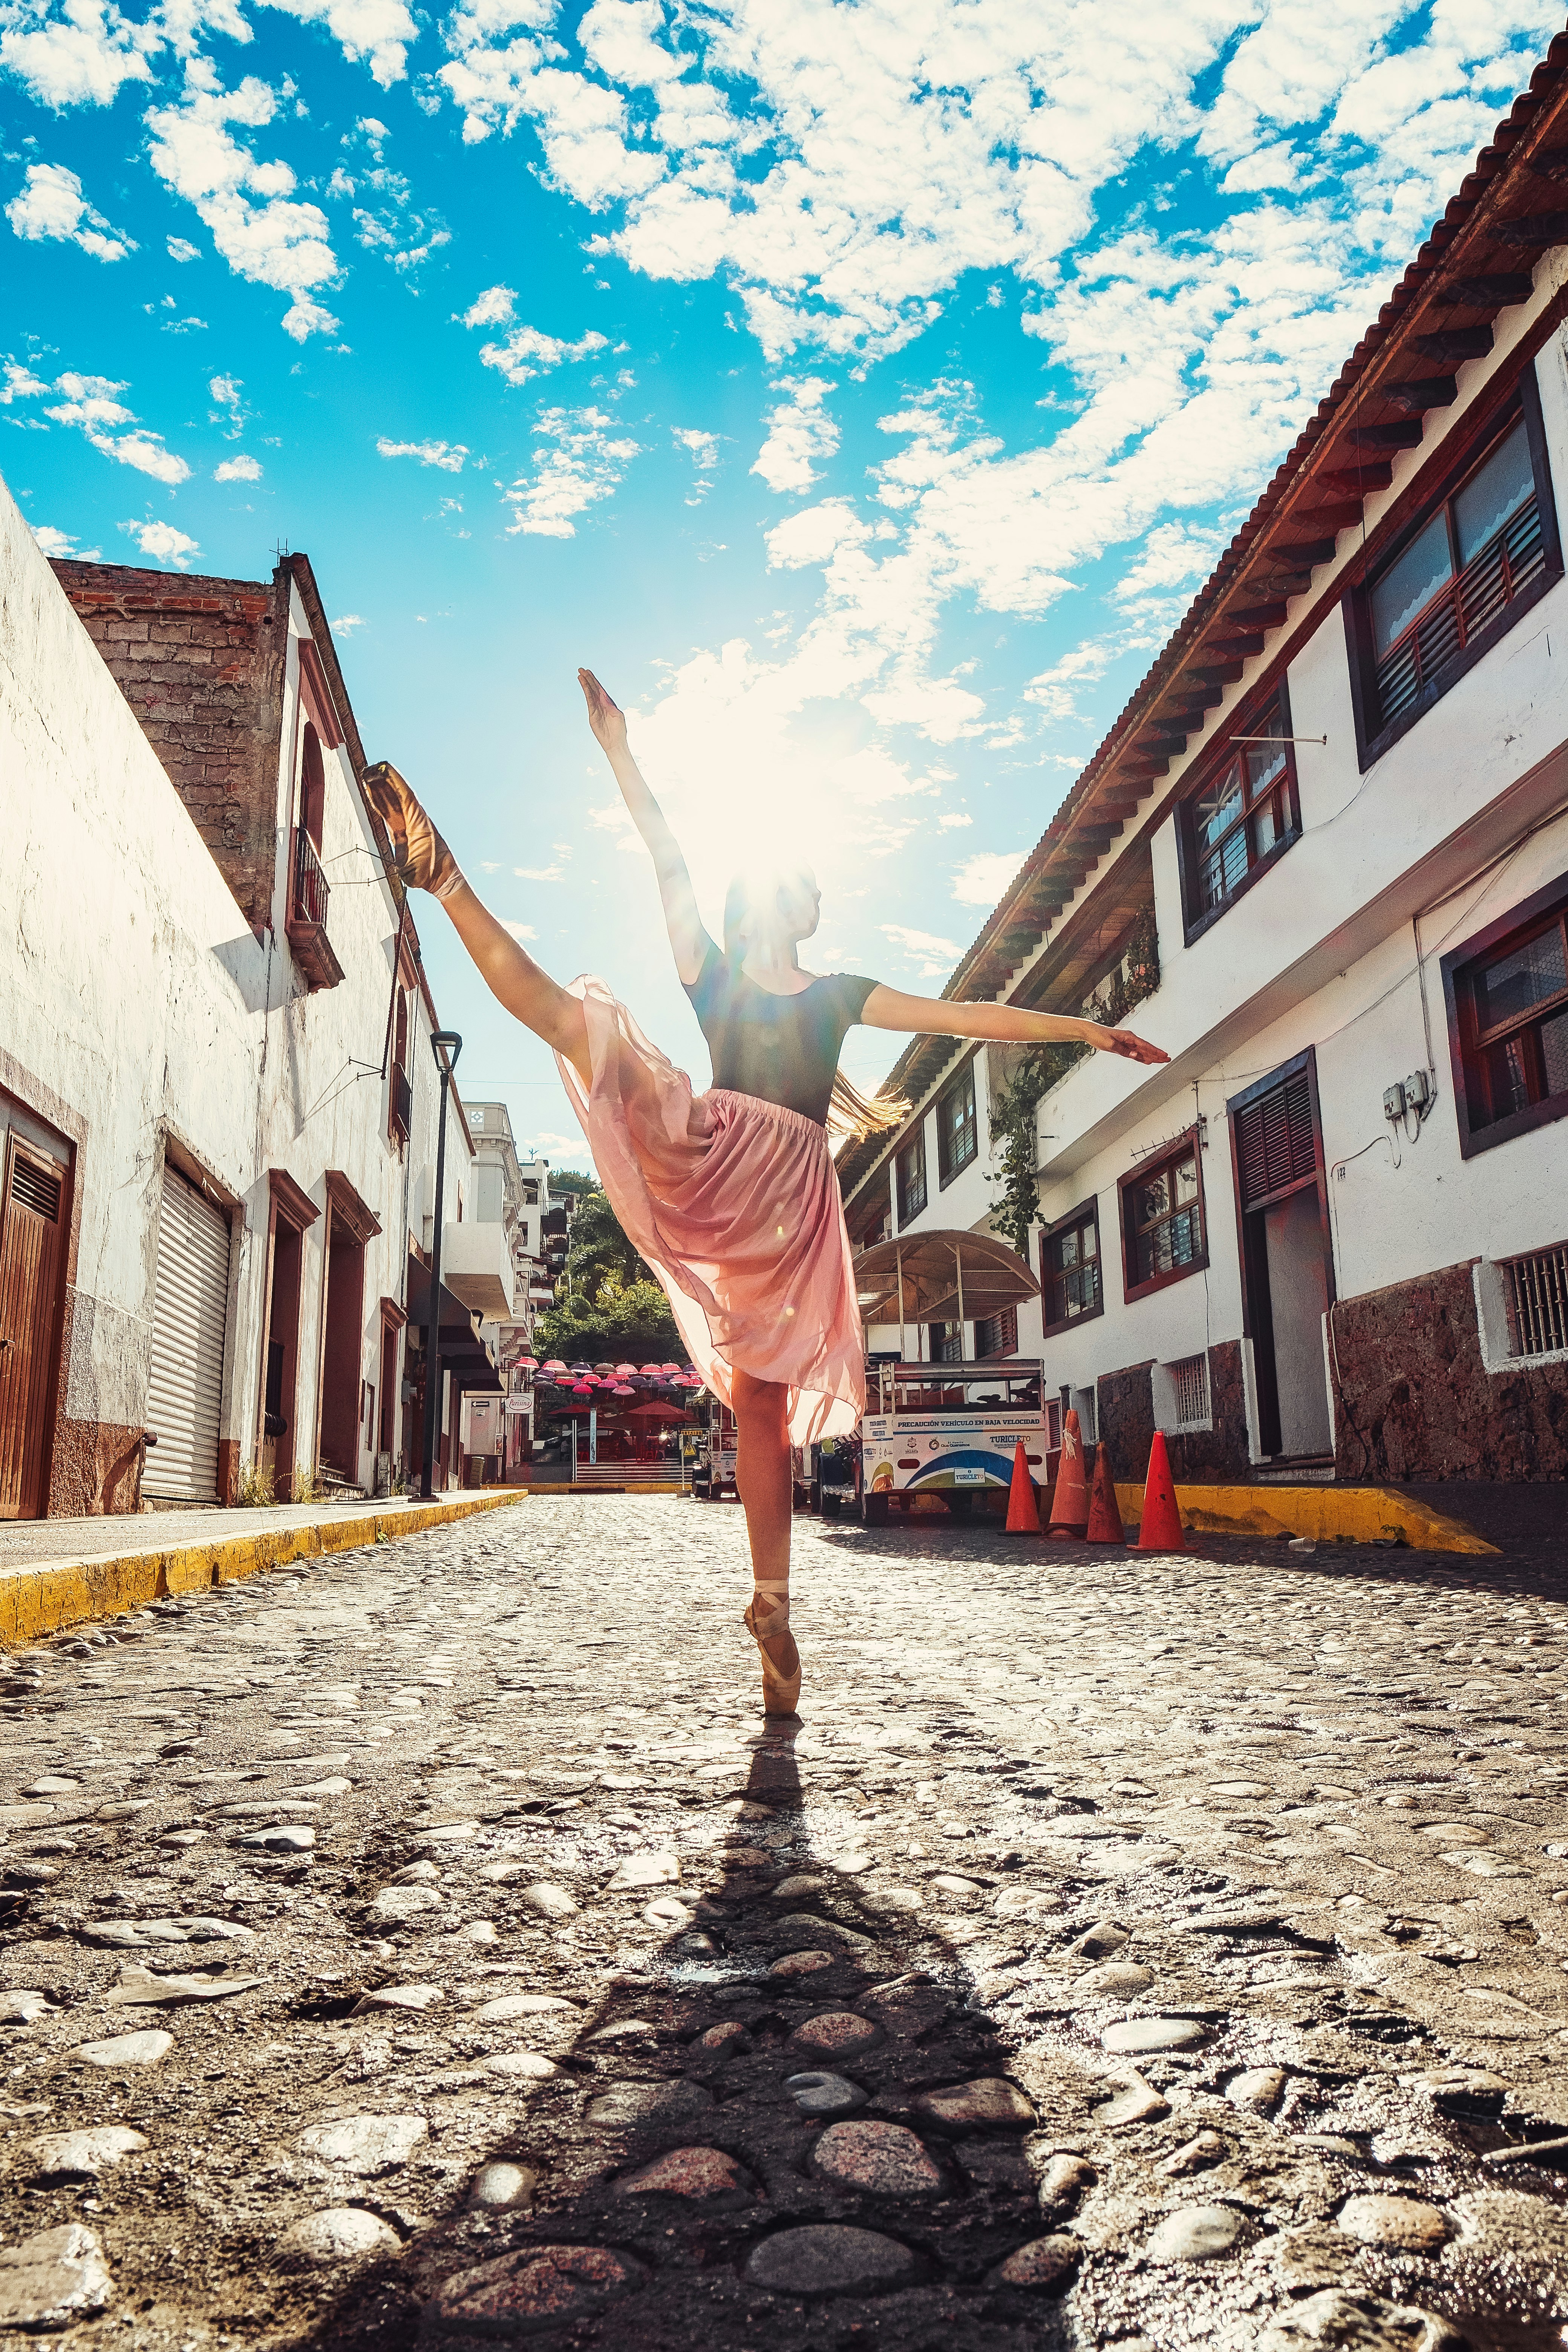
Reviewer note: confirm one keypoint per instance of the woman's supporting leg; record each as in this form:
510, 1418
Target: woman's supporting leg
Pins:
764, 1475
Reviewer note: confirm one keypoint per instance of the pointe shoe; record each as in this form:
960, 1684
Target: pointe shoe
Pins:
770, 1605
422, 860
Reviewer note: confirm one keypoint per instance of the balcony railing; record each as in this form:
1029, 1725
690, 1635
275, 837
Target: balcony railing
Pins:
311, 890
400, 1115
1504, 568
308, 899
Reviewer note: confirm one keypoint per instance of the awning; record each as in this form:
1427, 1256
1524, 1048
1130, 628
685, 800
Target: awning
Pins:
945, 1275
455, 1316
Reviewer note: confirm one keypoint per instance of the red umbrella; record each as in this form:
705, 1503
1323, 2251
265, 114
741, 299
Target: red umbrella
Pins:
655, 1411
622, 1369
555, 1365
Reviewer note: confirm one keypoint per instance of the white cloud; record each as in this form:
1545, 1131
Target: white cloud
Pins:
52, 204
21, 384
237, 469
520, 931
527, 352
493, 308
90, 405
951, 818
981, 879
380, 32
346, 623
800, 431
539, 873
164, 544
61, 542
449, 455
701, 448
182, 250
77, 57
934, 956
260, 232
586, 463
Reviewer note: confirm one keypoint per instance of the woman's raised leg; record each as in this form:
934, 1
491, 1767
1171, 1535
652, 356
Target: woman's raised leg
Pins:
425, 863
767, 1490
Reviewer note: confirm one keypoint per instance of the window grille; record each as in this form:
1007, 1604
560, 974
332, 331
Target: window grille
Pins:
1538, 1301
1069, 1265
911, 1167
1189, 1388
1480, 552
956, 1134
998, 1334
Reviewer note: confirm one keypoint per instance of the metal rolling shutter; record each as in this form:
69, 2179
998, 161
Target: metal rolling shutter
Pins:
189, 1315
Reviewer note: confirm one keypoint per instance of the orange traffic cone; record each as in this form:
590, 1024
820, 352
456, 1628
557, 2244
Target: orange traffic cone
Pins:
1104, 1511
1162, 1527
1070, 1504
1022, 1510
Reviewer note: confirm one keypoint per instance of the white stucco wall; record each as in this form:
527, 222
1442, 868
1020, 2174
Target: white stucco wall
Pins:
136, 995
128, 970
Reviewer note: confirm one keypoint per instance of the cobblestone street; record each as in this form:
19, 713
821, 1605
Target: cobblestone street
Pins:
432, 1947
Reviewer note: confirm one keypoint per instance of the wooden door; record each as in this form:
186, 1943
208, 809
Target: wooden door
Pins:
31, 1208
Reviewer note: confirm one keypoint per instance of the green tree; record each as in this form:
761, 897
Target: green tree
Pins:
607, 1303
600, 1246
572, 1179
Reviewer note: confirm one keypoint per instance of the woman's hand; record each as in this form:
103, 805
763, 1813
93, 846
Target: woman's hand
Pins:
1125, 1042
607, 718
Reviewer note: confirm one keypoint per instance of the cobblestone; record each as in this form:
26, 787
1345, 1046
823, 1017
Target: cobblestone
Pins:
1246, 2048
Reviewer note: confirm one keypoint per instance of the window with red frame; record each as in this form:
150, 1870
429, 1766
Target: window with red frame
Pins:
1070, 1268
996, 1335
1241, 814
1162, 1219
1508, 1014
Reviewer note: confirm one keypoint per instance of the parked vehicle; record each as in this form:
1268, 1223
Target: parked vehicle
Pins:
952, 1431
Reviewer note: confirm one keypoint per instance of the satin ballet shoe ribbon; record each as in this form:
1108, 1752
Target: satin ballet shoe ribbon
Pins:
422, 860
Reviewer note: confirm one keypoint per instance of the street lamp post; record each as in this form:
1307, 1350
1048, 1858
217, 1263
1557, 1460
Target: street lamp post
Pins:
446, 1045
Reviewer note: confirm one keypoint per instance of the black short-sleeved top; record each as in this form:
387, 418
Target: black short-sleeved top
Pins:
783, 1049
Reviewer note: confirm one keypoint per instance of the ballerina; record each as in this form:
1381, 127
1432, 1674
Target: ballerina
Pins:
731, 1196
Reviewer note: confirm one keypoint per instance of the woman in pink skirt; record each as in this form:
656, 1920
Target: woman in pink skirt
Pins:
731, 1196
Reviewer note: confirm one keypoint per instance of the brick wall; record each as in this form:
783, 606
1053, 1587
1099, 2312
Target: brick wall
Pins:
1416, 1401
200, 662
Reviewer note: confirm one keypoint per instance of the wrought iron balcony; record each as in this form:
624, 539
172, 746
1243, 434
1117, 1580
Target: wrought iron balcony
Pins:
307, 925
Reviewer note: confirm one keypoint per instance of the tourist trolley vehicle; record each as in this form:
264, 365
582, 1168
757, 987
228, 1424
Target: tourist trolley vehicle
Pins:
947, 1429
952, 1431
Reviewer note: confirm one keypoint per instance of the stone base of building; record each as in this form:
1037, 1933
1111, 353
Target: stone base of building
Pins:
95, 1470
1124, 1406
1415, 1401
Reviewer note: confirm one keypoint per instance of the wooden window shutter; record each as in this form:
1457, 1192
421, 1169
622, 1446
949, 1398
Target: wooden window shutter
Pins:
1274, 1143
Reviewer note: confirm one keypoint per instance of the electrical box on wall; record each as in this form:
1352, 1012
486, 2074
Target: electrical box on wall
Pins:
1394, 1102
1417, 1091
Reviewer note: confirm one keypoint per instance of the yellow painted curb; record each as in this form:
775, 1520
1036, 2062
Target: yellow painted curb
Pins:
43, 1595
1326, 1514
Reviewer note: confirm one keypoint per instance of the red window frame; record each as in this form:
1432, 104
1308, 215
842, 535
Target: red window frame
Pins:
1474, 1042
1087, 1213
1165, 1161
1265, 797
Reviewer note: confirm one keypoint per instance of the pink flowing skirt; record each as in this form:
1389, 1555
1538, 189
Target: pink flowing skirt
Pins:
735, 1205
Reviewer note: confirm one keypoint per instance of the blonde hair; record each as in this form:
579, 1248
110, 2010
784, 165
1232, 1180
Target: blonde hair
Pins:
854, 1115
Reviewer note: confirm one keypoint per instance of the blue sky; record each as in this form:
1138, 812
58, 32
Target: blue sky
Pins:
861, 389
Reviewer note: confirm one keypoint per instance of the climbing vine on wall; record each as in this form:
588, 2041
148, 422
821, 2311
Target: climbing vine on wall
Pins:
1013, 1122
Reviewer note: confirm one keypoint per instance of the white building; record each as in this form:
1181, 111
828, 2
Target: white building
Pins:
218, 1097
1330, 1237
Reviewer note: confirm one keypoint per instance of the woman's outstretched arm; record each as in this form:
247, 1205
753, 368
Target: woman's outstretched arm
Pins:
938, 1016
688, 934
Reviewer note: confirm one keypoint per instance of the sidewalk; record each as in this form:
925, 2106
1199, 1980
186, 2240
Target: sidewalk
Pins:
56, 1572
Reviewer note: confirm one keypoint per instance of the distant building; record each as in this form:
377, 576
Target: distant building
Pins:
217, 1096
1322, 855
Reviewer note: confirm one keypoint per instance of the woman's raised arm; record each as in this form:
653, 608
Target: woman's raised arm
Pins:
938, 1016
688, 935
